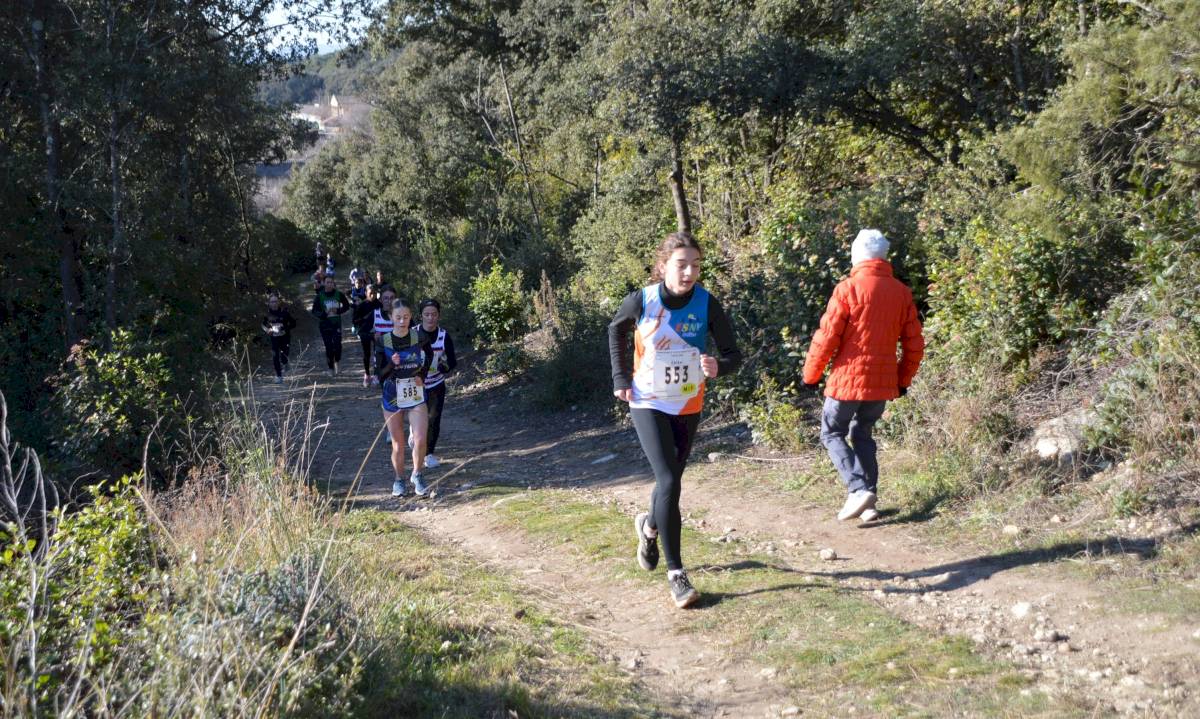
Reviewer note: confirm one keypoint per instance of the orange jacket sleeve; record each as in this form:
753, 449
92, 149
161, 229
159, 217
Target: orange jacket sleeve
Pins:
828, 337
912, 345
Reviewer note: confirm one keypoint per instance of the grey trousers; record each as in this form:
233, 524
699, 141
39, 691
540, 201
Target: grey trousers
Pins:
854, 460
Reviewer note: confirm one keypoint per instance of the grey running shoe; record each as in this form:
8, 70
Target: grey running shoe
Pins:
419, 485
398, 488
682, 591
647, 551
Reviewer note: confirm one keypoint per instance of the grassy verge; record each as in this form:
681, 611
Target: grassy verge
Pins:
834, 648
453, 639
244, 592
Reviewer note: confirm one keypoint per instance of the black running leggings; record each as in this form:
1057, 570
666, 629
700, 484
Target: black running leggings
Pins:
367, 339
435, 397
280, 348
332, 337
667, 441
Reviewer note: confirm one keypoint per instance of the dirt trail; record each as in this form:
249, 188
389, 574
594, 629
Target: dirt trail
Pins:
1139, 665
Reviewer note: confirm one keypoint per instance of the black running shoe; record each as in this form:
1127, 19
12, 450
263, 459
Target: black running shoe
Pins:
647, 551
682, 591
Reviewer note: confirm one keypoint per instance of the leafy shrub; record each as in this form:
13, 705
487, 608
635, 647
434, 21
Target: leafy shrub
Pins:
497, 303
1149, 405
90, 584
508, 360
112, 400
1005, 291
775, 419
577, 368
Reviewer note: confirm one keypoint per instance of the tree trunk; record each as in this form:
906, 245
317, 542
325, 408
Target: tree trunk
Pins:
117, 239
1018, 66
596, 176
512, 117
57, 232
683, 218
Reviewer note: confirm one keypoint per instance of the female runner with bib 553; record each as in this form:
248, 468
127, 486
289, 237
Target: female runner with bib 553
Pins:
402, 361
663, 382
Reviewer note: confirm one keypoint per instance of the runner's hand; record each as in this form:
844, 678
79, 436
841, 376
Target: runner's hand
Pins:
708, 365
396, 358
625, 395
419, 380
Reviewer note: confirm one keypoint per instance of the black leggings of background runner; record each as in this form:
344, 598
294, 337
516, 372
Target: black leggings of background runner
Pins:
667, 441
435, 397
280, 348
332, 337
367, 340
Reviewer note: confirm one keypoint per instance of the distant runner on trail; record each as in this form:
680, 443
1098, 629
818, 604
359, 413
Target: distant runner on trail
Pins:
278, 324
444, 363
363, 320
403, 361
358, 290
869, 313
663, 382
328, 306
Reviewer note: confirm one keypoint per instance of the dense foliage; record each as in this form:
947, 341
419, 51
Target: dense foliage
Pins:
128, 144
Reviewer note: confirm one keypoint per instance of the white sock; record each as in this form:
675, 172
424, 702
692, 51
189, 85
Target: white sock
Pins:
673, 573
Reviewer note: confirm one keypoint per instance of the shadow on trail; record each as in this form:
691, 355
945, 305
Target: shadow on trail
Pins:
711, 598
965, 572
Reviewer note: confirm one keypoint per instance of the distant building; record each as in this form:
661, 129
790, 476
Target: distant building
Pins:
334, 116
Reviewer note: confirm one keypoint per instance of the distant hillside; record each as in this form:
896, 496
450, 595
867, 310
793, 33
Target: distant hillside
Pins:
336, 73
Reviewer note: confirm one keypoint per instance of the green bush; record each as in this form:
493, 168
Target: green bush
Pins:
111, 401
577, 368
1005, 291
497, 303
776, 420
1149, 405
508, 360
95, 580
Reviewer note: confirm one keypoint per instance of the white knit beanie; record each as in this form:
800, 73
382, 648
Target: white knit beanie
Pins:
869, 245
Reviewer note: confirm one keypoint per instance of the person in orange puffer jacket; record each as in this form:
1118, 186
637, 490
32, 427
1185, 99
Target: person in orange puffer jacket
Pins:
869, 313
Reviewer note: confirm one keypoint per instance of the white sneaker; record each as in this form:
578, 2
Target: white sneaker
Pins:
431, 461
278, 379
335, 368
410, 440
856, 502
366, 381
870, 514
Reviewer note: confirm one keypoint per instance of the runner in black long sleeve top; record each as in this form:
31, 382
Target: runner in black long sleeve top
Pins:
662, 379
328, 306
435, 386
278, 324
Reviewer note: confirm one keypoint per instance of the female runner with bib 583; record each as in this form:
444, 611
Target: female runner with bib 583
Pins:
402, 361
663, 382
